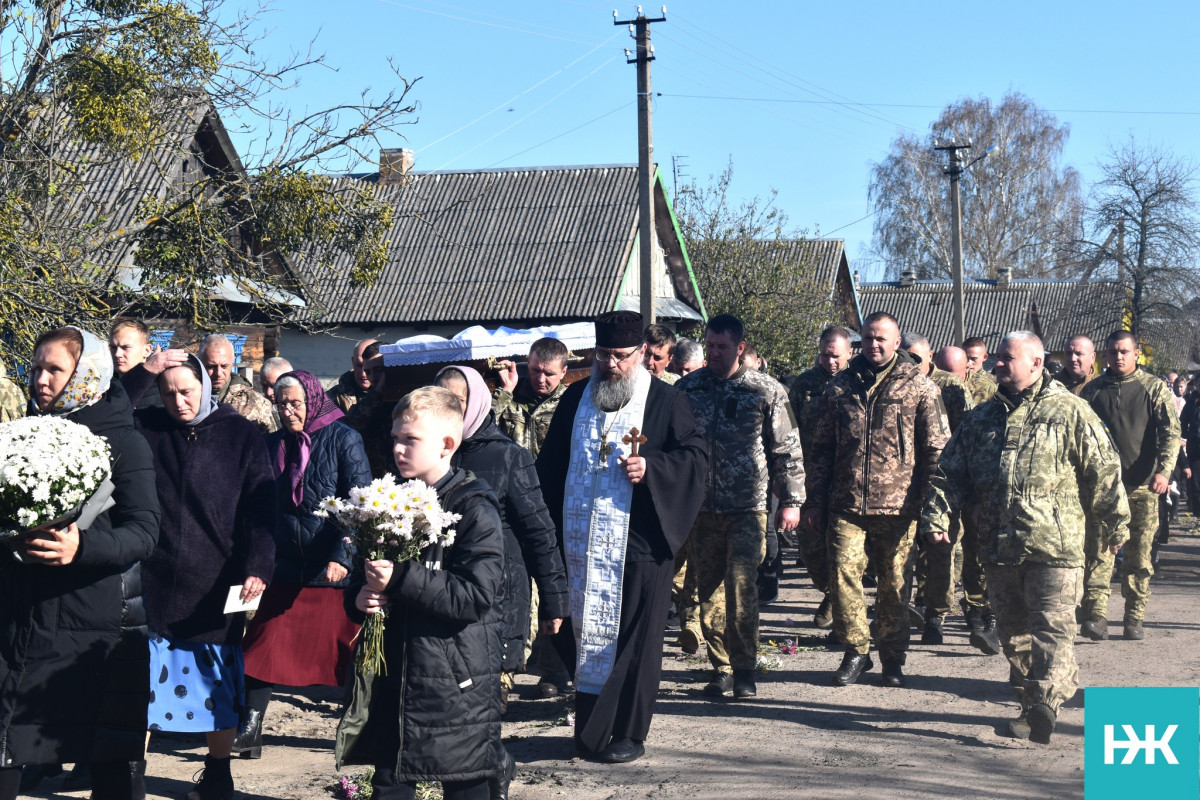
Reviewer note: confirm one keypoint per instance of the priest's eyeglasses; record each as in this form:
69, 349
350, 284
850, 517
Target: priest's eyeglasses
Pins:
608, 356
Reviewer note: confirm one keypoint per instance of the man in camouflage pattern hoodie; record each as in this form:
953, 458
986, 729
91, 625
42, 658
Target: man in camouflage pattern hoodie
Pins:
880, 434
804, 393
753, 447
524, 408
1039, 468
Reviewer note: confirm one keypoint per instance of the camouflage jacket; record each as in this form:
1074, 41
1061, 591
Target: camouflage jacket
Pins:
1139, 412
523, 416
372, 418
346, 392
1041, 472
250, 404
669, 378
981, 384
804, 392
956, 397
753, 442
12, 400
1075, 388
874, 453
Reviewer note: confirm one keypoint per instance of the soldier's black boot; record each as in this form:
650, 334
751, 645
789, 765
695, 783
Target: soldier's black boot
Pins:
720, 686
933, 631
852, 667
743, 684
824, 617
1019, 727
1041, 723
972, 616
893, 673
987, 639
1095, 629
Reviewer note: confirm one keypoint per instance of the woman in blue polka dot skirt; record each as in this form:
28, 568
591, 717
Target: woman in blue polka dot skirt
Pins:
217, 490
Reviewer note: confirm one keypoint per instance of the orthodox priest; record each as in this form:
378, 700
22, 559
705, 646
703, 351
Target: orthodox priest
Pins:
622, 470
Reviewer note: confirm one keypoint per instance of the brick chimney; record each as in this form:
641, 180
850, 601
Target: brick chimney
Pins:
908, 277
395, 163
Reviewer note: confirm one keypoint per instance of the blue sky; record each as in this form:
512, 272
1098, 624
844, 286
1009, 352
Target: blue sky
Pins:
801, 96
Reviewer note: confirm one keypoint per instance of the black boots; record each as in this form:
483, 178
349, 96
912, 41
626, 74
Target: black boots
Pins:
248, 743
744, 687
853, 665
986, 639
216, 783
498, 786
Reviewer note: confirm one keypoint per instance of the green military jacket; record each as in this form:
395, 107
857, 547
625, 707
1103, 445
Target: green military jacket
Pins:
523, 416
1075, 388
249, 403
1139, 412
981, 384
1040, 471
753, 442
804, 393
956, 396
874, 451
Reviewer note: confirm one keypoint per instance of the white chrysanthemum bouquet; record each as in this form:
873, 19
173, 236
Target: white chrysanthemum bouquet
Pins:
392, 522
52, 472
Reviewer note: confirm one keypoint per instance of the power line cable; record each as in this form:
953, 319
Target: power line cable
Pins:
482, 22
507, 103
564, 133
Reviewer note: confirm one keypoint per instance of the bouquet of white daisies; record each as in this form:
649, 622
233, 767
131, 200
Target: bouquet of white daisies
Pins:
52, 472
392, 522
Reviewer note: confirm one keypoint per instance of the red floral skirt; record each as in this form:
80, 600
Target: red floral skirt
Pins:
300, 636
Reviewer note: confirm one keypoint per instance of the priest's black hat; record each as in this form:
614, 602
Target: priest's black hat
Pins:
618, 329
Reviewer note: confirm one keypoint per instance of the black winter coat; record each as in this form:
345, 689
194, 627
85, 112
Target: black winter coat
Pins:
216, 487
305, 544
71, 687
442, 644
530, 542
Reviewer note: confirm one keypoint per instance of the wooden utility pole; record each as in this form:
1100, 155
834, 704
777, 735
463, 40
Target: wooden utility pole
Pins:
639, 28
955, 170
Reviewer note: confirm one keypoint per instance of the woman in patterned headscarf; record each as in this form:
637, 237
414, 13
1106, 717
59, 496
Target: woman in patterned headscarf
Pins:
74, 663
301, 635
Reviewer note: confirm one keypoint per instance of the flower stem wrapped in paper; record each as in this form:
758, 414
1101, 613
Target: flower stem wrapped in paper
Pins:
53, 472
391, 522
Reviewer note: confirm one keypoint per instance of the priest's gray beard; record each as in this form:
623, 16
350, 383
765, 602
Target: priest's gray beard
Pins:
612, 392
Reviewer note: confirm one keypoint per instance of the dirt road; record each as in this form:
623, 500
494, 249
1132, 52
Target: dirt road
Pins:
942, 736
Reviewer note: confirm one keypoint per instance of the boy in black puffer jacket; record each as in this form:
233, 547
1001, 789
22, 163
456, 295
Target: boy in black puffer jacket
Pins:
435, 715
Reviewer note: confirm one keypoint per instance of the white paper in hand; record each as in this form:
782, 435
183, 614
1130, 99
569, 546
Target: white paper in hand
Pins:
234, 604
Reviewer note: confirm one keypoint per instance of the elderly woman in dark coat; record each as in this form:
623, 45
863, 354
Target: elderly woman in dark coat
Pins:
217, 492
301, 635
74, 664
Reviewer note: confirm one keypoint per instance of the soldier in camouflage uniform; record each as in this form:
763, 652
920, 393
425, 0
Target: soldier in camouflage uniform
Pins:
981, 384
216, 353
1139, 412
879, 436
1079, 369
524, 408
935, 562
753, 445
355, 384
804, 393
1039, 465
660, 349
13, 401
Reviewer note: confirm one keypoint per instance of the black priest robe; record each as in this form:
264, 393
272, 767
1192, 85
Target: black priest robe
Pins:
664, 506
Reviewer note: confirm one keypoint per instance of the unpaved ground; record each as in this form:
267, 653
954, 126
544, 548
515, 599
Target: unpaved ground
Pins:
940, 737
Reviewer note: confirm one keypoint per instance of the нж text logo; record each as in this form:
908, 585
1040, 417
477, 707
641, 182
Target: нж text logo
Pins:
1132, 745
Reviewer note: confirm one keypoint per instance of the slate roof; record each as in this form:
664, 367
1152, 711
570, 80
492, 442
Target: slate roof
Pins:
492, 246
1051, 309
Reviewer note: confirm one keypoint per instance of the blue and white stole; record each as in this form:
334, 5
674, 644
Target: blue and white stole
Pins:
596, 528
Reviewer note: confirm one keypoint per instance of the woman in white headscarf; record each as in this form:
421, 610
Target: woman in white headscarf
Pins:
74, 661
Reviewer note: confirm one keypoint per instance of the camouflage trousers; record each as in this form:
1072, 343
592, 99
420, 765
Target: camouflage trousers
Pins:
683, 591
1035, 617
815, 553
723, 563
935, 573
974, 580
888, 541
1136, 565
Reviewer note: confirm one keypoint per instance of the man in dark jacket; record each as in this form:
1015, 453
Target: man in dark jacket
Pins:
354, 384
875, 450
